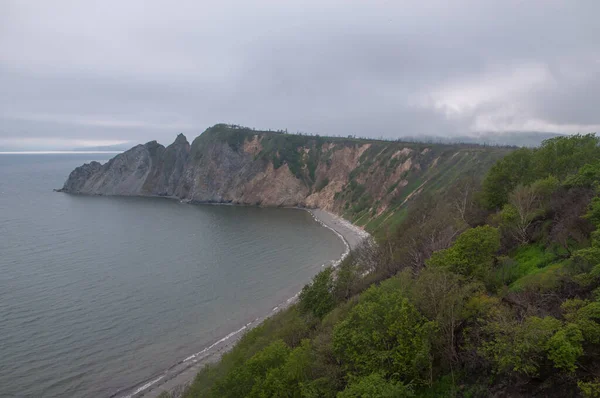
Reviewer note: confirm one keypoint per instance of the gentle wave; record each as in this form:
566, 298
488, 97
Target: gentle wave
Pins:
145, 386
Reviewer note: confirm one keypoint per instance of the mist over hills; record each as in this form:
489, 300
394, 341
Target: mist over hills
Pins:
521, 139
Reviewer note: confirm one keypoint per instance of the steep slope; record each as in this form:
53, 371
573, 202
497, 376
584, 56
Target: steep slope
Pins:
502, 303
365, 180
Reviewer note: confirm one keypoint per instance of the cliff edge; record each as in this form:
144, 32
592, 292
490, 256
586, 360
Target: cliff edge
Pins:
363, 180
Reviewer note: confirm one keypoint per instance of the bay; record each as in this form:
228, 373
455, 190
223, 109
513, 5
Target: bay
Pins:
100, 293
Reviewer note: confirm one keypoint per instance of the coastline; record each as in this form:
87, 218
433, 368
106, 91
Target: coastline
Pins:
175, 379
349, 233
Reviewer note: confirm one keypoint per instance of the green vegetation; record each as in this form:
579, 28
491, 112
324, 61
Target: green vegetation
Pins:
382, 319
488, 289
558, 157
471, 254
317, 298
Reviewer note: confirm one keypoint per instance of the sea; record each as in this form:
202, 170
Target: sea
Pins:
99, 294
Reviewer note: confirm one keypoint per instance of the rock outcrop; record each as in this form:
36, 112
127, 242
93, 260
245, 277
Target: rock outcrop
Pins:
230, 164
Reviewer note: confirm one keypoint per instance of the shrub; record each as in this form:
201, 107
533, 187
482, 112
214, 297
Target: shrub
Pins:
540, 280
317, 298
385, 333
375, 386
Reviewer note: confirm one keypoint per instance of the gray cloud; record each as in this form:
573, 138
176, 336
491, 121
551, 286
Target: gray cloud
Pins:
140, 70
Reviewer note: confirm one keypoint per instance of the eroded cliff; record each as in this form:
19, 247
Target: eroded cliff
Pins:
361, 179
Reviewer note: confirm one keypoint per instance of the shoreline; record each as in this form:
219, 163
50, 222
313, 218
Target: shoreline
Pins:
178, 376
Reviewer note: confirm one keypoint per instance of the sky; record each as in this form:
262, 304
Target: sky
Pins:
88, 73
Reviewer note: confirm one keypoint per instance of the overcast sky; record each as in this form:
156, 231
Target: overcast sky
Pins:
76, 73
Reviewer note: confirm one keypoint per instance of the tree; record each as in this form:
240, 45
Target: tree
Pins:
519, 347
317, 298
505, 175
567, 207
242, 380
586, 315
519, 213
589, 258
348, 277
593, 213
431, 225
564, 347
443, 296
587, 176
461, 196
525, 204
286, 380
385, 333
471, 254
562, 156
523, 347
559, 157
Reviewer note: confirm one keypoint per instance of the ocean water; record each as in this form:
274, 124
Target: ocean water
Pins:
98, 294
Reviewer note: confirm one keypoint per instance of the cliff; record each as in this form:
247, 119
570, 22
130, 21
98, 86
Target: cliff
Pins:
364, 180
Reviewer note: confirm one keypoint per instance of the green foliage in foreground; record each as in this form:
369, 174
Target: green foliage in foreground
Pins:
460, 302
384, 318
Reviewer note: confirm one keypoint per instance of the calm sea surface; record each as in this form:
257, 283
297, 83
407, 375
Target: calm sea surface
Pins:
100, 293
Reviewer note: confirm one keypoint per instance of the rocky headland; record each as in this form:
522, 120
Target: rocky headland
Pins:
365, 181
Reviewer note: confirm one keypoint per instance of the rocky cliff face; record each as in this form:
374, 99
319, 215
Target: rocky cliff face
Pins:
149, 169
229, 164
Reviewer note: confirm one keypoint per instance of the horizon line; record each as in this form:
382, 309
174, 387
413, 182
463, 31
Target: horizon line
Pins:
56, 152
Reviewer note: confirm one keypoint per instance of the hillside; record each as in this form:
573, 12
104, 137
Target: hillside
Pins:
498, 297
367, 181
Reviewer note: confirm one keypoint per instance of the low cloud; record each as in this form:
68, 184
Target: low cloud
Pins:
142, 70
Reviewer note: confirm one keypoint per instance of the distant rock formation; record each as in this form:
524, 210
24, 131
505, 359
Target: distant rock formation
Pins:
231, 164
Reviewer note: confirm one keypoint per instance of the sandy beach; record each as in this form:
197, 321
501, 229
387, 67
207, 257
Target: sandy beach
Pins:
180, 375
